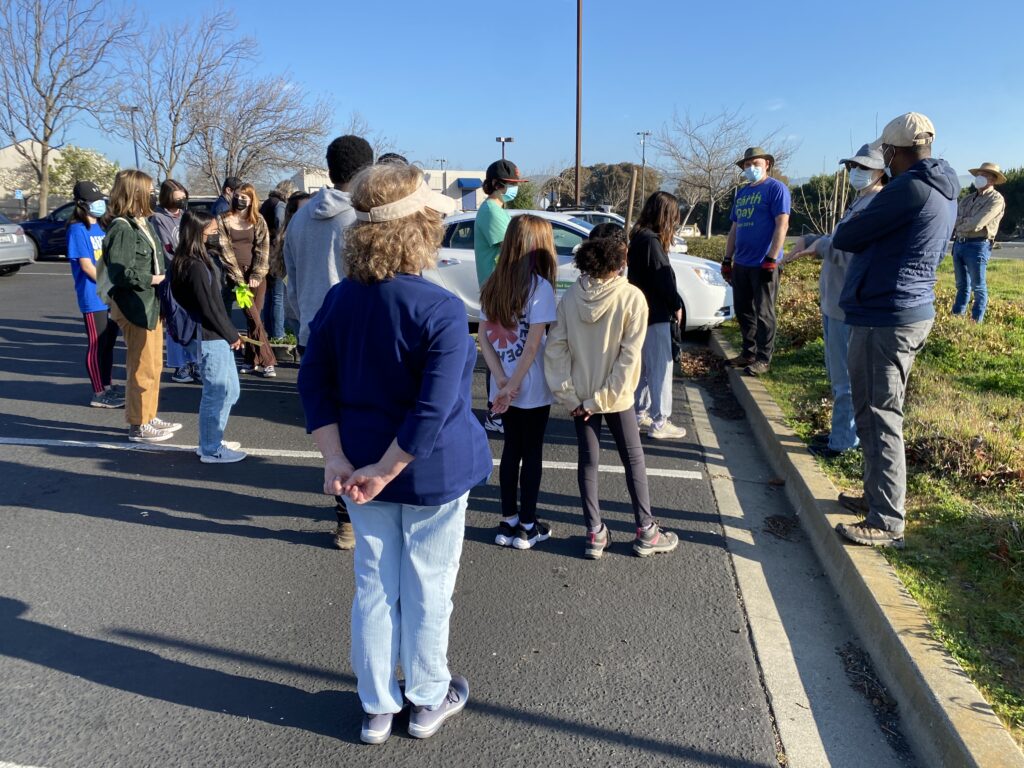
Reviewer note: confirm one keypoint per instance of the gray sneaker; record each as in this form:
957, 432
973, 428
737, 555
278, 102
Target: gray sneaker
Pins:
106, 399
425, 722
232, 444
597, 543
654, 541
165, 426
376, 728
147, 433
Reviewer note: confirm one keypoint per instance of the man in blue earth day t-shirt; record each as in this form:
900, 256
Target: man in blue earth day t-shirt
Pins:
760, 219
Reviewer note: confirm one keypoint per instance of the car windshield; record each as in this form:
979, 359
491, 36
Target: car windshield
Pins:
582, 223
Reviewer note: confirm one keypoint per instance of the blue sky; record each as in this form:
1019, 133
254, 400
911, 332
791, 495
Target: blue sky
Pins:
444, 78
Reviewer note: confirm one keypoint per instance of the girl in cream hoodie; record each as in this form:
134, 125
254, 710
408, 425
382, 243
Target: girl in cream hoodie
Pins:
592, 364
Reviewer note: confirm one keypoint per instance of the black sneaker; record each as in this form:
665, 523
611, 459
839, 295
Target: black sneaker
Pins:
525, 539
654, 541
506, 533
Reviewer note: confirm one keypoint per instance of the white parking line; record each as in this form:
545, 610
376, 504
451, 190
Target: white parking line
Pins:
614, 469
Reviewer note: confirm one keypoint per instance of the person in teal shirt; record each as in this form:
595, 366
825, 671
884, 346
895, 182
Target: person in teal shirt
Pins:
501, 183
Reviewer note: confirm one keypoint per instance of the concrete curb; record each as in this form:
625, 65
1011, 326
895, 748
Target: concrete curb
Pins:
945, 717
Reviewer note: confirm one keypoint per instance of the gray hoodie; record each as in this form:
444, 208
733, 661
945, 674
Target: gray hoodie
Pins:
313, 247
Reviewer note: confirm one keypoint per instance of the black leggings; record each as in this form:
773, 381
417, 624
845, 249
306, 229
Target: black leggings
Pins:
626, 434
524, 445
99, 355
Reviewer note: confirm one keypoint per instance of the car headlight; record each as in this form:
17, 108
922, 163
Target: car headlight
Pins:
710, 276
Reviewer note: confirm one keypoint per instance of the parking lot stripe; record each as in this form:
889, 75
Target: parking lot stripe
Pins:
614, 469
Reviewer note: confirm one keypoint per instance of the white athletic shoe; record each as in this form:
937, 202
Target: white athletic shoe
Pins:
224, 456
229, 444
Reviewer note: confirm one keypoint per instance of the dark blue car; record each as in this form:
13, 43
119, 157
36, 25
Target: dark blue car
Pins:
50, 233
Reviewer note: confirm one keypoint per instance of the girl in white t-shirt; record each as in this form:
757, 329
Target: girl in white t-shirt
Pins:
517, 304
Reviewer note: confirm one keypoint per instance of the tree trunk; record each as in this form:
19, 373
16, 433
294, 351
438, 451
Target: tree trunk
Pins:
44, 179
711, 214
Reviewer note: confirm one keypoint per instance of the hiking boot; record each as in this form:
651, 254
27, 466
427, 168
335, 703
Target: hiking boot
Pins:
856, 504
493, 424
758, 368
667, 431
824, 452
644, 420
224, 456
425, 722
526, 539
506, 533
822, 438
106, 399
654, 541
869, 535
740, 361
597, 543
376, 728
147, 433
182, 375
344, 534
229, 444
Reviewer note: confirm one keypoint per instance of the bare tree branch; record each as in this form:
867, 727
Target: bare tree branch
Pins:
58, 58
360, 126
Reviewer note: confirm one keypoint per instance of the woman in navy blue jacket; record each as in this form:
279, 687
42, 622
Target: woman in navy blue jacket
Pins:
385, 384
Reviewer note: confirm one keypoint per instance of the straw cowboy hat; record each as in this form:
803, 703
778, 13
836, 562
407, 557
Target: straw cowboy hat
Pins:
752, 153
989, 168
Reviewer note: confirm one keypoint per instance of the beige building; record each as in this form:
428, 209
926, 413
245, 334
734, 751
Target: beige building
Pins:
464, 187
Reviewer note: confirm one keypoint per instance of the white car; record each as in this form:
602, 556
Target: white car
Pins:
707, 298
603, 217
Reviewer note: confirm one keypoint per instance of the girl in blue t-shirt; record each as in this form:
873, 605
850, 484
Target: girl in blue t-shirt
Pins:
517, 303
85, 246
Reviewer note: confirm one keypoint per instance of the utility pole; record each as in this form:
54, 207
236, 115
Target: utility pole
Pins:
444, 175
579, 89
131, 110
643, 164
504, 140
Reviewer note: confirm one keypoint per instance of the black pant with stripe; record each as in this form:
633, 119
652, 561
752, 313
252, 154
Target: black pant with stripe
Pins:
99, 355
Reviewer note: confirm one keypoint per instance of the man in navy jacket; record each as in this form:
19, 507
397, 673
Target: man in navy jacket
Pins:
889, 298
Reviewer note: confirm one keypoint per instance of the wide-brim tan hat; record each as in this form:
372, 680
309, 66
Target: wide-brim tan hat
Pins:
989, 168
752, 153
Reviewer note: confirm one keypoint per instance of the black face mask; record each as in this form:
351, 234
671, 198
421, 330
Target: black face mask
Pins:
213, 241
238, 205
180, 205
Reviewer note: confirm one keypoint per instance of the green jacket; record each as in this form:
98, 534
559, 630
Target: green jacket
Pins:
131, 263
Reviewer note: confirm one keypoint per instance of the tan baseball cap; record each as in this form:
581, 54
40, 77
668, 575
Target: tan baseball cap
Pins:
910, 130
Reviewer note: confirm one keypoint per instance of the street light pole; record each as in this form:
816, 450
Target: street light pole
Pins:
579, 88
643, 164
503, 140
131, 110
444, 175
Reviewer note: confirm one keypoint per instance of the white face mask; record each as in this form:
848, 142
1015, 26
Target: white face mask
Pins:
753, 173
980, 182
861, 178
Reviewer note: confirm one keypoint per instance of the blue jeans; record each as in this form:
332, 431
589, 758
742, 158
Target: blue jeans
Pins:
970, 261
406, 560
220, 392
178, 355
654, 392
843, 435
273, 310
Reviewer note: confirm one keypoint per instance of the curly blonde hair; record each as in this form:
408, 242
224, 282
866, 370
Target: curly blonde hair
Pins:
376, 251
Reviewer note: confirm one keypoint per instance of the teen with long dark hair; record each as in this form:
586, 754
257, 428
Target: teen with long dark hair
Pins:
85, 245
195, 282
651, 272
516, 305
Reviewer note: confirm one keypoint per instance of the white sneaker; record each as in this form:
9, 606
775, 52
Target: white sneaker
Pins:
644, 420
224, 456
166, 426
229, 444
667, 431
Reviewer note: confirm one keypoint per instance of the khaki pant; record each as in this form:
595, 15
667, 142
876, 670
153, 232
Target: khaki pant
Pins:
144, 365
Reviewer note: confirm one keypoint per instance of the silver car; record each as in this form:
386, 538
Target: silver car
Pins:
707, 298
16, 250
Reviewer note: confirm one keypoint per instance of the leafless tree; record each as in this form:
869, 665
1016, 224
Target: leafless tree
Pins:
57, 66
360, 126
174, 76
822, 200
255, 126
690, 192
703, 151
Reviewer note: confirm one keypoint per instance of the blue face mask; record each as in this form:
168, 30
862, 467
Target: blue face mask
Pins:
753, 173
97, 208
510, 193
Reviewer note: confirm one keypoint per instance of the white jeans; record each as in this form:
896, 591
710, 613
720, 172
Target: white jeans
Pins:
406, 560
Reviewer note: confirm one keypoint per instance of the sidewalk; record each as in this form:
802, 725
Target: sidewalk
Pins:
945, 717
